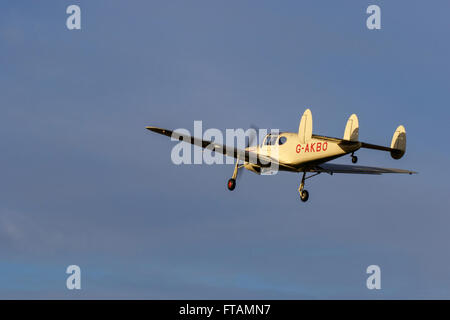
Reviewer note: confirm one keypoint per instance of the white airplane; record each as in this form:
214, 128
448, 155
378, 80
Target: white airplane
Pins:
302, 151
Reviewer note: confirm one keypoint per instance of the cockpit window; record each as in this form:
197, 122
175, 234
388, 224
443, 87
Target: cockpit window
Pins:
270, 140
282, 140
267, 140
273, 140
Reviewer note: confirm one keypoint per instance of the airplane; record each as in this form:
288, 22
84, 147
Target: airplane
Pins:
302, 151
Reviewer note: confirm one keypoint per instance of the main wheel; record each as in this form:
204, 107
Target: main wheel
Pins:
304, 195
231, 184
354, 159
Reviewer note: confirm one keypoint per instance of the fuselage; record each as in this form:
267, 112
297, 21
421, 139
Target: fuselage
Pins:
287, 149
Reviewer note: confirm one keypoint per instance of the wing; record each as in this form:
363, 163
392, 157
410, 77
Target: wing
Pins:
343, 168
244, 155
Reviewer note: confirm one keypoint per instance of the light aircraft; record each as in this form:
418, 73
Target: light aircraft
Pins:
302, 151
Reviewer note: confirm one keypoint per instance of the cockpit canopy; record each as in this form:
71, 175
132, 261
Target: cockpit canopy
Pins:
274, 139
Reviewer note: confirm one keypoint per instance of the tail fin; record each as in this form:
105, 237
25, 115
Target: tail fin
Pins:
305, 127
351, 132
398, 143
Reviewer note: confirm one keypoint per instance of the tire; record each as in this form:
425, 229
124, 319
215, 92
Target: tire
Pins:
304, 196
354, 159
231, 184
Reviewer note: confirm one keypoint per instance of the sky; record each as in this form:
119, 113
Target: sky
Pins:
83, 183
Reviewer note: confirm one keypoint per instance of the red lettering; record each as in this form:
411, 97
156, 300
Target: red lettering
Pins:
325, 146
298, 148
307, 148
319, 146
312, 147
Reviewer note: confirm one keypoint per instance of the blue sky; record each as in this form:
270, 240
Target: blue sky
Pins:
84, 183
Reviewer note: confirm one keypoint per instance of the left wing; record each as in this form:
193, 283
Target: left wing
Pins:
343, 168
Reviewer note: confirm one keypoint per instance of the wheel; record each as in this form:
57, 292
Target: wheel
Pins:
304, 195
231, 184
354, 159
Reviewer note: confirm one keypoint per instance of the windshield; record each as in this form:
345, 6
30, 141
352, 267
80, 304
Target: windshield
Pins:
270, 140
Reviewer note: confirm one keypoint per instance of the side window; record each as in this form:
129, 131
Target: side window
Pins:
282, 140
273, 141
267, 141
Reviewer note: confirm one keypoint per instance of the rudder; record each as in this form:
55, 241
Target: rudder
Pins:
398, 143
305, 127
351, 132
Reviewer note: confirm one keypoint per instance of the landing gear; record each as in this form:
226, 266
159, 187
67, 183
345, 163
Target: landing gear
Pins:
354, 158
304, 194
231, 184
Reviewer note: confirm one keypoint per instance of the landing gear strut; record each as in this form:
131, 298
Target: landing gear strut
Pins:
232, 182
354, 158
304, 194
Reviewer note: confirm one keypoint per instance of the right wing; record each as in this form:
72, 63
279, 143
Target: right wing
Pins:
343, 168
243, 155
